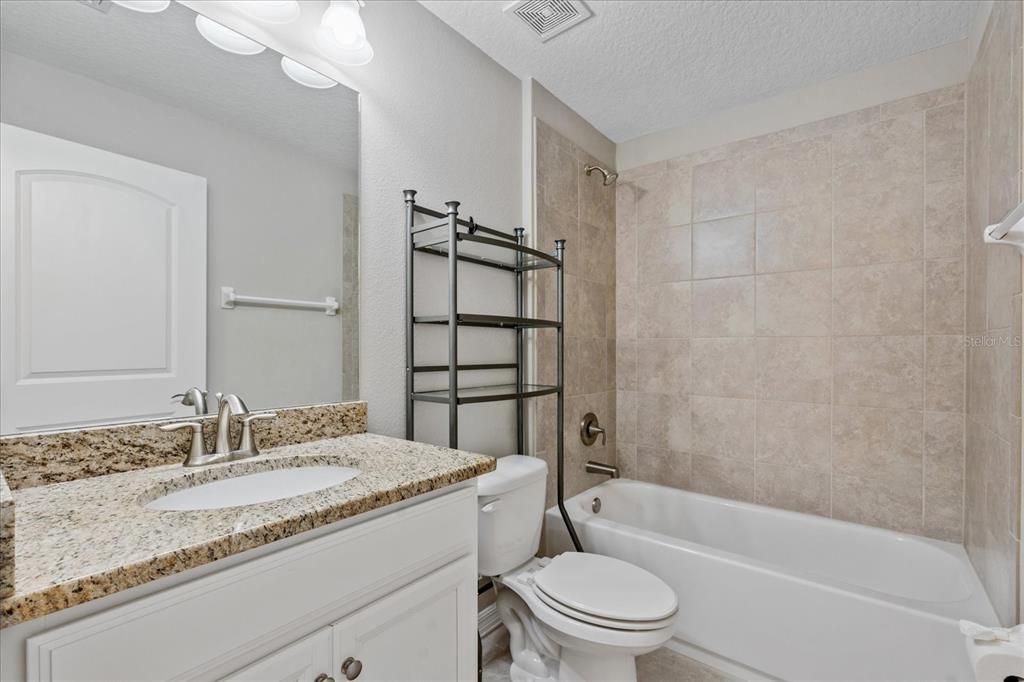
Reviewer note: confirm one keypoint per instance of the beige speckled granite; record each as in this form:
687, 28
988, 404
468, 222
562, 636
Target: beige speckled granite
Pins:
6, 539
57, 456
85, 539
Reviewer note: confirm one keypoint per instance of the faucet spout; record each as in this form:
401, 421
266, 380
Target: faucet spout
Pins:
230, 404
601, 468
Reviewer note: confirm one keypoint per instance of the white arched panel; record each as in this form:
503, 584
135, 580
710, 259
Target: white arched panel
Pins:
104, 278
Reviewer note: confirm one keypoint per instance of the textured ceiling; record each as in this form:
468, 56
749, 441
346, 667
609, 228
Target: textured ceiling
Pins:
640, 67
163, 57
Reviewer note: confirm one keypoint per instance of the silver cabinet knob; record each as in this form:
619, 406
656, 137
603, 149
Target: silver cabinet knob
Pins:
323, 677
351, 667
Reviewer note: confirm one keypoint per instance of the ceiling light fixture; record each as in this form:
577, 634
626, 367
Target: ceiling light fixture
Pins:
226, 39
147, 6
341, 35
270, 11
303, 75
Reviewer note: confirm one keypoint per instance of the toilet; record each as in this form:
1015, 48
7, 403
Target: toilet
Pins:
574, 617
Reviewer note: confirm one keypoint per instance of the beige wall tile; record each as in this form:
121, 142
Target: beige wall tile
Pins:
596, 254
625, 416
723, 427
664, 467
872, 158
796, 369
663, 198
793, 487
944, 373
625, 258
663, 254
944, 142
593, 366
878, 371
878, 299
663, 311
883, 502
558, 179
724, 248
723, 307
625, 364
794, 304
625, 459
625, 207
928, 100
877, 442
794, 174
798, 238
944, 296
944, 219
597, 201
663, 366
723, 367
723, 188
663, 421
943, 476
731, 478
594, 308
625, 312
879, 227
554, 224
794, 434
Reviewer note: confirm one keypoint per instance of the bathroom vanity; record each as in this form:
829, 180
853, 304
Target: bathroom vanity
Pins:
331, 584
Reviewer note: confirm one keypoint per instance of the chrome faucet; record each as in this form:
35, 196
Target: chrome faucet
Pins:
193, 397
223, 452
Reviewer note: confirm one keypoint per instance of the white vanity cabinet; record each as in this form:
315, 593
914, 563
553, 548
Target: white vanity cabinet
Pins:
396, 594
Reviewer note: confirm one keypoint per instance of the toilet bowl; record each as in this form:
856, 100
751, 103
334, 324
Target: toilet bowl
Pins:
574, 617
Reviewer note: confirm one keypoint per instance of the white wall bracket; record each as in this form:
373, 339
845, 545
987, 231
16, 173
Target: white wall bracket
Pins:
1009, 231
229, 299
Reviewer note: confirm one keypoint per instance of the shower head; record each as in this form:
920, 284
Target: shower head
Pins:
609, 178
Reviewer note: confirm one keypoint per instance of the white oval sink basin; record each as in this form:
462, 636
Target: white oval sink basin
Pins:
264, 486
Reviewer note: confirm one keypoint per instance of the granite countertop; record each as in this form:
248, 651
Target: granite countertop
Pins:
85, 539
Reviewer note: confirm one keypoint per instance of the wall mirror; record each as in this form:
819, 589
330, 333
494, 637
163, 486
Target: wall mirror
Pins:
161, 178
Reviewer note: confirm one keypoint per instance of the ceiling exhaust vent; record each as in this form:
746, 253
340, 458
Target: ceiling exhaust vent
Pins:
549, 18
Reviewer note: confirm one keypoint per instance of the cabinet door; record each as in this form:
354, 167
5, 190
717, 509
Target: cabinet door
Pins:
424, 632
302, 661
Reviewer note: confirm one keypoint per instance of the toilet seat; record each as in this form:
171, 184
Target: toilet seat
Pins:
602, 622
605, 591
578, 625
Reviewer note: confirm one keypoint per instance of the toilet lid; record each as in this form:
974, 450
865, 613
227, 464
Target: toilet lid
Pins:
608, 588
635, 625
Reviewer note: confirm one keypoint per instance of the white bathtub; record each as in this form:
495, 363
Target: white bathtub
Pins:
788, 595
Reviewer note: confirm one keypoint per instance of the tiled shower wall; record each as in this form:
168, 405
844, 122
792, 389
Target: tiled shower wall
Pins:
790, 312
993, 450
580, 210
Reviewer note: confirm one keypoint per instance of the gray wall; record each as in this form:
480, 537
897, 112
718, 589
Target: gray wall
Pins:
274, 220
441, 117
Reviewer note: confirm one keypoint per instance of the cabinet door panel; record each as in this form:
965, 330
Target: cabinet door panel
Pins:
424, 632
302, 661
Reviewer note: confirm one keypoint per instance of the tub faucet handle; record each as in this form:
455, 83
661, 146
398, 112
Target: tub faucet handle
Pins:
590, 429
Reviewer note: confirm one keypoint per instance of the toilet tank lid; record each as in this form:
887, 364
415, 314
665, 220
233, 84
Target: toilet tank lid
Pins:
513, 471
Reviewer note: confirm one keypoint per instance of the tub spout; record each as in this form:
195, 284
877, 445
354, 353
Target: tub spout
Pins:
599, 468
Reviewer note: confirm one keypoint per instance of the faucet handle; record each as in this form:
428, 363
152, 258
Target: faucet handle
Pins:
197, 450
247, 442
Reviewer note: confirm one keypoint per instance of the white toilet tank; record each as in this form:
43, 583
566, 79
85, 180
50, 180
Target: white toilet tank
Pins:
510, 503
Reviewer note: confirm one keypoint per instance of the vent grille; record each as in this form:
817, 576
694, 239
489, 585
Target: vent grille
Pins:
549, 18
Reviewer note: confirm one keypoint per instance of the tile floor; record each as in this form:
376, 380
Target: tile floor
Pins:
658, 666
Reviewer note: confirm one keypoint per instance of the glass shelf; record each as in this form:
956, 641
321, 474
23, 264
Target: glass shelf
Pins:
485, 394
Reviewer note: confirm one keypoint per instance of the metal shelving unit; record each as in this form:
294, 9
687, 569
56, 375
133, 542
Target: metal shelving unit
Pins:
460, 240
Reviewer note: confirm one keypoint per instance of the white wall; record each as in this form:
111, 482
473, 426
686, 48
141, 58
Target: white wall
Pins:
441, 117
921, 72
274, 221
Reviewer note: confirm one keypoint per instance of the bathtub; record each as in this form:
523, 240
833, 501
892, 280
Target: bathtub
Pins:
770, 593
